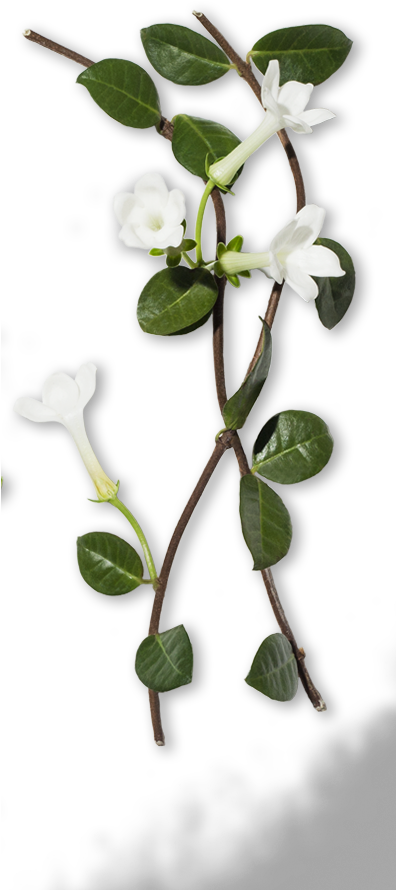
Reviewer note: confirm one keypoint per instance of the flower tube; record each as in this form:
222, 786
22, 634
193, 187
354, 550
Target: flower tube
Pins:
64, 400
293, 257
284, 108
151, 217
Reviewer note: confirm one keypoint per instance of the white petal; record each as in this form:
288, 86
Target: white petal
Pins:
271, 79
316, 116
86, 382
123, 205
294, 96
284, 238
271, 104
296, 124
34, 410
309, 221
304, 286
129, 237
169, 236
175, 209
275, 269
319, 261
152, 191
61, 393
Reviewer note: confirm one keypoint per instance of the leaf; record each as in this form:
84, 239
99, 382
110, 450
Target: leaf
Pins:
274, 669
165, 661
108, 564
307, 53
266, 524
192, 327
335, 294
174, 299
238, 407
195, 138
124, 91
182, 55
291, 447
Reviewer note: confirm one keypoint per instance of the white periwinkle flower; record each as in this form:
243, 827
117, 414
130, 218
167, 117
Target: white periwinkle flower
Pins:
151, 216
293, 257
284, 108
64, 400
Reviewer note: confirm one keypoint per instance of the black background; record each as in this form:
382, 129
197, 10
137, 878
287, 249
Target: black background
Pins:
247, 792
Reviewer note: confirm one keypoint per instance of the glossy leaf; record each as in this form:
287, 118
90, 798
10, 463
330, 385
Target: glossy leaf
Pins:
124, 91
182, 55
165, 661
291, 447
266, 524
335, 294
195, 139
192, 327
108, 564
274, 669
238, 407
307, 53
174, 299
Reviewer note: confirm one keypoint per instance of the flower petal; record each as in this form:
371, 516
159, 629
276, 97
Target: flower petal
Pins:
152, 191
175, 209
271, 105
169, 236
271, 80
33, 409
129, 236
319, 261
284, 238
304, 286
310, 219
296, 124
86, 382
123, 205
294, 96
61, 393
316, 116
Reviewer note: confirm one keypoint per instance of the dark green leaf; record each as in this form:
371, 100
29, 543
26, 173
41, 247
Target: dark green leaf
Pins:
274, 669
124, 91
108, 564
174, 299
335, 294
238, 407
182, 55
165, 661
173, 260
307, 53
266, 524
292, 446
192, 327
195, 138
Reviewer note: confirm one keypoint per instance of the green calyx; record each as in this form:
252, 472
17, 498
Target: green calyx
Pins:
235, 245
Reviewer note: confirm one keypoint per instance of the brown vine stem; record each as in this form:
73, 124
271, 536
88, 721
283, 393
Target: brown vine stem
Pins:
230, 438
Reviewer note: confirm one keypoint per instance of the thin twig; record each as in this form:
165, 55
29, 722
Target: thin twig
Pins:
57, 48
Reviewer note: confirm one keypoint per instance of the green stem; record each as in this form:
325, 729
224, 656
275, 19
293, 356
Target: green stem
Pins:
136, 527
189, 260
201, 210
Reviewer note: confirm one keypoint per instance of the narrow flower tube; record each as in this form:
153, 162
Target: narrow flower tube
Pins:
293, 256
64, 400
284, 108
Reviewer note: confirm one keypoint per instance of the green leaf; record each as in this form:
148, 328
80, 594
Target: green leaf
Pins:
195, 138
108, 564
266, 524
165, 661
292, 446
307, 53
274, 669
156, 251
192, 327
335, 294
238, 407
174, 299
182, 55
173, 260
124, 91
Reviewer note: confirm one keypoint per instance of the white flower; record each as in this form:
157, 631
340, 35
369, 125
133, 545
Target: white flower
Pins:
64, 400
293, 257
151, 216
284, 108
